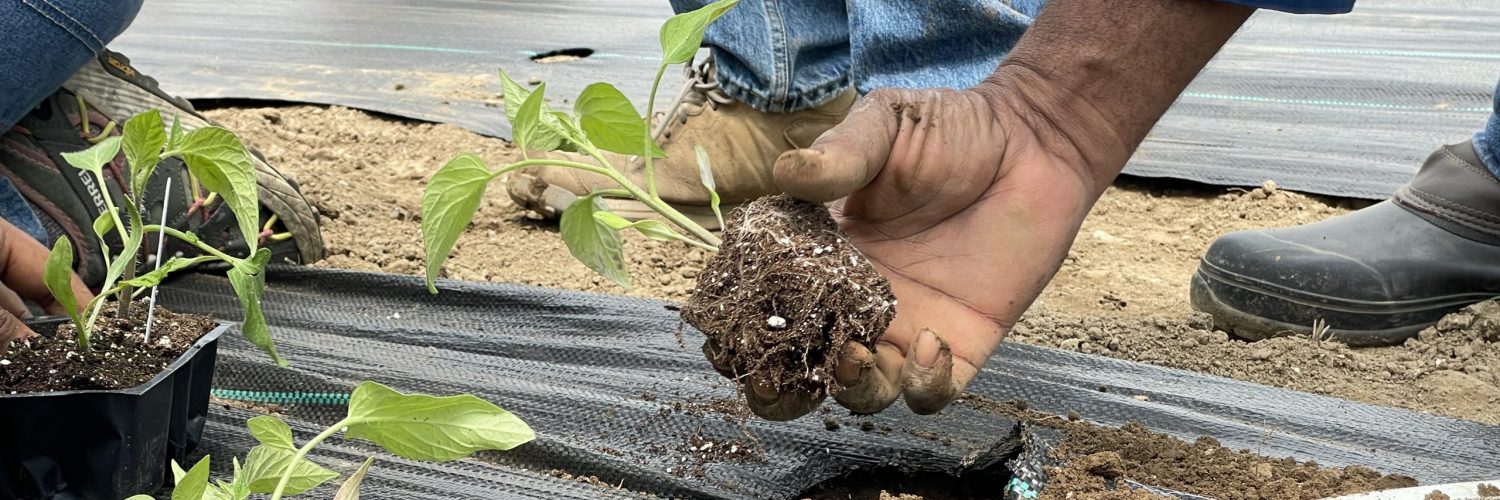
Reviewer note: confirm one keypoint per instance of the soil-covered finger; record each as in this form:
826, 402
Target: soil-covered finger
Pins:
768, 403
875, 384
927, 380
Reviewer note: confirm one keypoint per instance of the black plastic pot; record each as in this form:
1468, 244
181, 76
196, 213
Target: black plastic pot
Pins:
106, 445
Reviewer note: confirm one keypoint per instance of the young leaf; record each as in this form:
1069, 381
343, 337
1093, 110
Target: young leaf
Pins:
238, 487
545, 138
156, 276
527, 124
144, 138
350, 489
653, 229
706, 175
568, 127
249, 280
95, 157
448, 204
271, 431
421, 427
174, 139
177, 472
593, 243
104, 223
610, 121
190, 486
265, 465
223, 165
59, 279
683, 33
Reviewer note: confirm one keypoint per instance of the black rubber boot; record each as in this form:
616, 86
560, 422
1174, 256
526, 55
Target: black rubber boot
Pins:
1375, 276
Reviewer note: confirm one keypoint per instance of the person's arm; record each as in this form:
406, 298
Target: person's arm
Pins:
968, 200
1100, 74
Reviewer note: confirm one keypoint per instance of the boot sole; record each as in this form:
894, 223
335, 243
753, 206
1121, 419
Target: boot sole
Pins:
1229, 297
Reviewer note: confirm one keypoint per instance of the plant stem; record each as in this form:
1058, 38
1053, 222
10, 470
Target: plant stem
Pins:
646, 142
705, 236
192, 240
286, 477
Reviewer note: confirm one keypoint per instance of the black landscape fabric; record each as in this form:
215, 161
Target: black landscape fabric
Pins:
615, 391
1343, 105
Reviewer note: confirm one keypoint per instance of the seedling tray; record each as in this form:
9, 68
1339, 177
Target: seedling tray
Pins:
105, 444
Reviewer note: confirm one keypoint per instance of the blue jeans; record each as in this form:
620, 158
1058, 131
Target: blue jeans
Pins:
43, 42
783, 56
1487, 141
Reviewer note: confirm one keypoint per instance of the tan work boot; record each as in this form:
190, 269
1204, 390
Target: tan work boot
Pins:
742, 145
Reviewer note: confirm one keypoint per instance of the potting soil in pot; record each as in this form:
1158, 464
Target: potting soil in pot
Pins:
120, 355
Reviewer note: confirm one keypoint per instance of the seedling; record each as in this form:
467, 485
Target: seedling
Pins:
603, 119
218, 162
777, 306
411, 426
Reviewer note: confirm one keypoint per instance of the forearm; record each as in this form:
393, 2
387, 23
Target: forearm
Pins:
1096, 76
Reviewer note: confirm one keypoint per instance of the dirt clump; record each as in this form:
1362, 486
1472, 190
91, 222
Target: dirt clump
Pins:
1487, 490
119, 357
784, 294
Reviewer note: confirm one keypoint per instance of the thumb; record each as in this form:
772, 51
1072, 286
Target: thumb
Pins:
846, 157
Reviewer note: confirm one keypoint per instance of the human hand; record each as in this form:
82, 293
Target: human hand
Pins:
22, 262
967, 202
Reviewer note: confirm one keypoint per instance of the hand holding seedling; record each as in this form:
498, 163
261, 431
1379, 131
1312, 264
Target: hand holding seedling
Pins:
968, 200
22, 259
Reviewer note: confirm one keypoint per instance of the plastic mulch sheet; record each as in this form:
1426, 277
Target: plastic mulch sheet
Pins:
616, 389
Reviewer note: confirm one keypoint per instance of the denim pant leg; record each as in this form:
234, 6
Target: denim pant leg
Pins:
1487, 141
43, 42
788, 55
933, 43
780, 55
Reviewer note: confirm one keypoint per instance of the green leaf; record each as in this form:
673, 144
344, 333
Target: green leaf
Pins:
190, 486
174, 139
448, 204
271, 431
610, 121
265, 465
683, 33
653, 229
156, 276
706, 176
545, 138
527, 124
95, 157
177, 472
105, 223
59, 278
350, 489
223, 165
593, 243
421, 427
249, 281
128, 254
144, 138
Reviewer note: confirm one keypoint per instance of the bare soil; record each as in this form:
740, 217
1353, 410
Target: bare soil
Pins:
784, 294
119, 355
1093, 457
1121, 292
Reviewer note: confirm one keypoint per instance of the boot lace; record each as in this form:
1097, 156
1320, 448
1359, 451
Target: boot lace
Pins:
700, 89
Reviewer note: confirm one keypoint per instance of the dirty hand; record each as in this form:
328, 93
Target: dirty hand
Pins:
22, 262
968, 203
